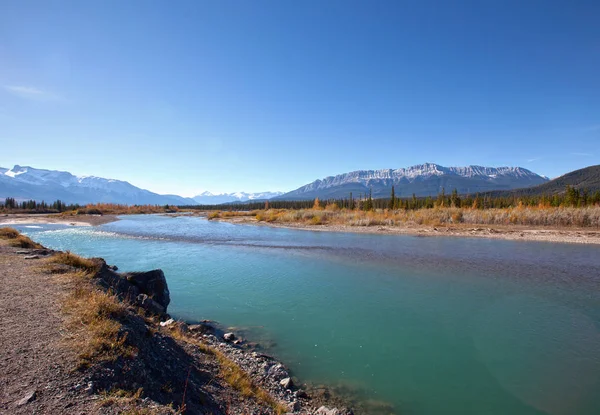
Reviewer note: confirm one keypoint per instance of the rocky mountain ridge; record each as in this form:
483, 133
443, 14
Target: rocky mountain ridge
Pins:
423, 180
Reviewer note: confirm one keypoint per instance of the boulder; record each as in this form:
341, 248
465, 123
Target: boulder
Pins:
153, 284
229, 337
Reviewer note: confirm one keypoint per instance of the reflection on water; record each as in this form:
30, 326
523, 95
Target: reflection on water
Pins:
428, 325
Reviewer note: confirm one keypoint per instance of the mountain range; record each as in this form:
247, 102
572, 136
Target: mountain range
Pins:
24, 182
208, 198
423, 180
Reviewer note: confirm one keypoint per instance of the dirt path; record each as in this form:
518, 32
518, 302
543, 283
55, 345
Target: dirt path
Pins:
35, 367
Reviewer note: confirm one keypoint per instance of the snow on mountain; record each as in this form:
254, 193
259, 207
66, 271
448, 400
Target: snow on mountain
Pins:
423, 180
208, 198
24, 182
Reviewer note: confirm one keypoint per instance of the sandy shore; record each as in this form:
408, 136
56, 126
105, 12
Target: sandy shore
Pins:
79, 220
514, 232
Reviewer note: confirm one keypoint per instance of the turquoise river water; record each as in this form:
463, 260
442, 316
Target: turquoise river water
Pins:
428, 325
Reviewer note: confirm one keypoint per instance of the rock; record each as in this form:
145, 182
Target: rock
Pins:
294, 406
167, 323
153, 284
301, 394
113, 267
326, 411
31, 257
201, 328
28, 398
150, 305
229, 337
277, 372
24, 252
286, 383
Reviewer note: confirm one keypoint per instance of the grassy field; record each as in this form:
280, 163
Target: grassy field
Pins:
586, 217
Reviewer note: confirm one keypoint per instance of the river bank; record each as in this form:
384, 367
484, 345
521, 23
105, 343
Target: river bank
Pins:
70, 346
504, 232
11, 219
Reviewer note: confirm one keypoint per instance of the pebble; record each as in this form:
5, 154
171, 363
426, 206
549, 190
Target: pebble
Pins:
167, 323
28, 398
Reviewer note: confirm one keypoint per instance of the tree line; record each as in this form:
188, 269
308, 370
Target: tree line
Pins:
11, 204
572, 197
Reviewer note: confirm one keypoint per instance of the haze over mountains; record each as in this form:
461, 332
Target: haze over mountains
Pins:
208, 198
423, 180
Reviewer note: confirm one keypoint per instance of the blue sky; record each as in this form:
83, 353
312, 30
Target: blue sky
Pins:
182, 96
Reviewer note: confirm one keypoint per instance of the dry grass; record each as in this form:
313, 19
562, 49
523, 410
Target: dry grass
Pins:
17, 239
93, 321
229, 214
588, 217
8, 233
112, 209
233, 374
75, 261
129, 403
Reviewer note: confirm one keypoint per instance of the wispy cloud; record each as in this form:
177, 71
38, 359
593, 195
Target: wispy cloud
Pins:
582, 154
30, 92
533, 159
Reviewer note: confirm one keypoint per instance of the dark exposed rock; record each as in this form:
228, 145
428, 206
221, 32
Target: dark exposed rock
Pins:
301, 394
152, 283
148, 290
229, 337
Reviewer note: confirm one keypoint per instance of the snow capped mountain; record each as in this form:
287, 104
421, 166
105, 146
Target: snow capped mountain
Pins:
208, 198
24, 182
423, 180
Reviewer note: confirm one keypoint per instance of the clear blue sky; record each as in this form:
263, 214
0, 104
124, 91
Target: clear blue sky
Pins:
180, 97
